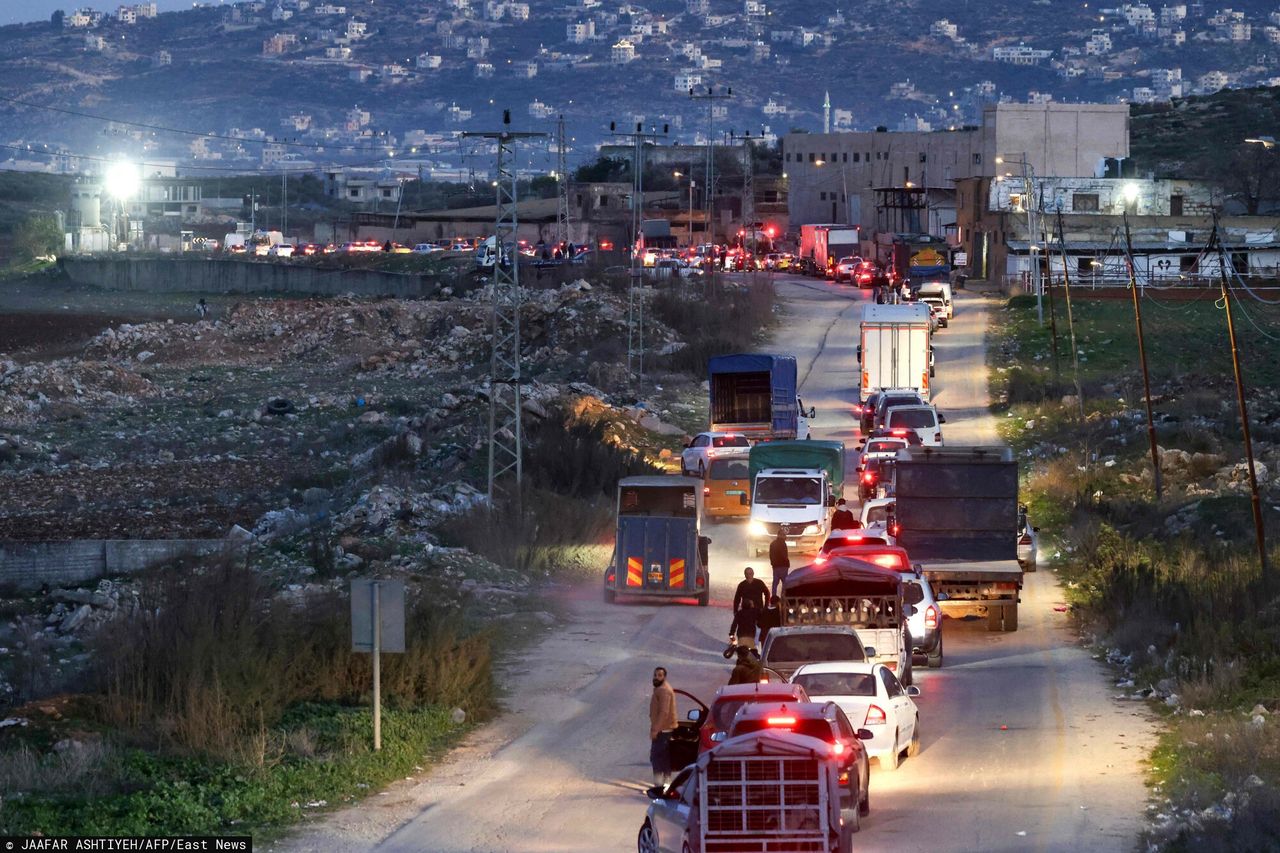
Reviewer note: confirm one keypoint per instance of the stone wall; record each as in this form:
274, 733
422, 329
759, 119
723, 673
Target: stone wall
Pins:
205, 274
26, 566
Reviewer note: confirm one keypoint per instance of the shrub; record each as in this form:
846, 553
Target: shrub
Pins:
714, 318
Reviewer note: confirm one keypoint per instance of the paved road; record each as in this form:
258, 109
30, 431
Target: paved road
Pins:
565, 768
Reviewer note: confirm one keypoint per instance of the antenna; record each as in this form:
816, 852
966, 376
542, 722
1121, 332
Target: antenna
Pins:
505, 439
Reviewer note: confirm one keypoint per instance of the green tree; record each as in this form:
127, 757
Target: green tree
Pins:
37, 236
56, 19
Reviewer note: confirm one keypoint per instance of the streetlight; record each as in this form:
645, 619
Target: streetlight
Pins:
692, 184
1028, 180
122, 181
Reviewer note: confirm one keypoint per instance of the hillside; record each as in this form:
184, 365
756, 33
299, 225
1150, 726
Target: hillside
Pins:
1169, 139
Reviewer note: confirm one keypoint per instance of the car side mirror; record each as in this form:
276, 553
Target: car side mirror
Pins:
869, 651
813, 412
695, 715
865, 734
942, 419
913, 691
656, 792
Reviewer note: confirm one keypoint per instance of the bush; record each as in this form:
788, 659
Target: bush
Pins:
37, 236
575, 457
714, 318
212, 659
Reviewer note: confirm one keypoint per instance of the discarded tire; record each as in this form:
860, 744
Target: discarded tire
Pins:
280, 406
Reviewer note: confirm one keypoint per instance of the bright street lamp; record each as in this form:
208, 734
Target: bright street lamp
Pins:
122, 180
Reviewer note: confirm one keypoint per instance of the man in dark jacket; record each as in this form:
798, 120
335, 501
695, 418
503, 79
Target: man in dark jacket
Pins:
745, 621
747, 670
752, 588
779, 560
843, 519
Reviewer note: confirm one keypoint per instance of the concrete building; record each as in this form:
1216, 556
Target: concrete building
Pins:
833, 177
1020, 55
1170, 221
579, 32
623, 51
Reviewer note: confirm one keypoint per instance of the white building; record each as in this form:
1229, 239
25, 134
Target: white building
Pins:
1020, 55
279, 13
580, 32
357, 118
686, 80
79, 19
526, 69
484, 70
127, 15
1144, 95
356, 29
772, 108
944, 29
518, 11
1214, 81
755, 9
539, 110
429, 61
622, 52
161, 59
1099, 43
94, 43
1139, 15
330, 9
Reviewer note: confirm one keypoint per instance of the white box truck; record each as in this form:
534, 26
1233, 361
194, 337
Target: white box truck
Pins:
894, 349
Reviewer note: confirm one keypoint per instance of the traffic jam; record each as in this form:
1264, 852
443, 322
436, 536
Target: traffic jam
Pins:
825, 651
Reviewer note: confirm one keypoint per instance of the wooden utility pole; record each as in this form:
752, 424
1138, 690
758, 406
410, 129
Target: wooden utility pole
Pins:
1142, 355
1071, 326
1053, 314
1259, 529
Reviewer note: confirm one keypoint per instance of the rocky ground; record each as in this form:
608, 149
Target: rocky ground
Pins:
331, 436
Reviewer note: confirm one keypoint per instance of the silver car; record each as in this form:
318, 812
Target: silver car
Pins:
665, 824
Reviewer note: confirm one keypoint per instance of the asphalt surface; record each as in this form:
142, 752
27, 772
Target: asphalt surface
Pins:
1024, 748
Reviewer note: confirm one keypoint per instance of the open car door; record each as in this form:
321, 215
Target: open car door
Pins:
689, 721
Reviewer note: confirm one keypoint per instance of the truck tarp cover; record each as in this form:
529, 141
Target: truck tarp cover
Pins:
958, 510
823, 455
753, 389
841, 576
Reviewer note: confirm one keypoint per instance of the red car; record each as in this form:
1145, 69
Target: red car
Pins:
730, 699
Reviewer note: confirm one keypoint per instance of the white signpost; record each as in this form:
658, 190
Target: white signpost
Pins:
377, 626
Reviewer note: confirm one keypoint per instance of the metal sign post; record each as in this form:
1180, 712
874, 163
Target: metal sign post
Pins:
377, 626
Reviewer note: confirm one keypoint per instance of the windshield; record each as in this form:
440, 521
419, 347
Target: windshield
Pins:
679, 502
913, 418
837, 683
819, 729
789, 490
848, 260
730, 441
878, 514
729, 469
816, 647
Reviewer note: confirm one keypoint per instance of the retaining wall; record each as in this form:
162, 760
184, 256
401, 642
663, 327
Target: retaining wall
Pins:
26, 565
203, 274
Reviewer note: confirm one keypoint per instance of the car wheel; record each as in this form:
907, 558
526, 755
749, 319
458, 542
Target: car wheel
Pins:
935, 657
864, 807
647, 840
908, 675
914, 749
890, 762
702, 470
704, 598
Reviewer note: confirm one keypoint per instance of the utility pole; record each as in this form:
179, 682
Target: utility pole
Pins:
562, 186
711, 97
635, 299
284, 204
1053, 314
505, 440
1255, 499
1029, 178
1142, 355
1071, 326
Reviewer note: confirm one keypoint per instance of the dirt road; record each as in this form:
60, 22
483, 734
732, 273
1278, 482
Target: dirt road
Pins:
1023, 746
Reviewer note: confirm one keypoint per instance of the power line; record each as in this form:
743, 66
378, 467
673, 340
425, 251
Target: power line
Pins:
162, 129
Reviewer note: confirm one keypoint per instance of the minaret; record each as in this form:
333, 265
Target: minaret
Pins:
826, 113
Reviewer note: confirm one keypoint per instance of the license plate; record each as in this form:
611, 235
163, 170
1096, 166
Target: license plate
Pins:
734, 492
655, 577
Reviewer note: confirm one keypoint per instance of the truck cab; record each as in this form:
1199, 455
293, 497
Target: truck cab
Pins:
658, 548
794, 486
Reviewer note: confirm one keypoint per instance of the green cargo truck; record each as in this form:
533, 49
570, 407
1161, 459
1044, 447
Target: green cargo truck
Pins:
794, 485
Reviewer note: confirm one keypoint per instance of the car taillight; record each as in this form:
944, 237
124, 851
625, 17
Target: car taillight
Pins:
838, 748
819, 560
931, 617
889, 561
875, 716
871, 478
781, 721
893, 530
610, 579
1024, 539
892, 666
706, 490
899, 432
844, 777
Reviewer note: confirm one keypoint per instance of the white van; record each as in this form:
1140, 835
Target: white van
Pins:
925, 420
939, 290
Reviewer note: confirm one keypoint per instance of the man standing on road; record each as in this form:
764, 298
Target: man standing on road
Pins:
745, 622
779, 559
748, 669
662, 722
751, 588
842, 519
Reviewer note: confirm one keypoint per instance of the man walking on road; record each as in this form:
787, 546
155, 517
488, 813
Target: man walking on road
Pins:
662, 722
778, 559
751, 588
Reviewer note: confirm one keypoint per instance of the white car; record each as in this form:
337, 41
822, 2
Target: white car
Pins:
938, 307
875, 516
872, 698
925, 420
846, 267
427, 249
696, 457
280, 250
1028, 542
882, 448
665, 826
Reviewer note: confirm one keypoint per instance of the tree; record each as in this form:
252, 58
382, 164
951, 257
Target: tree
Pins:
1249, 174
603, 171
37, 236
56, 19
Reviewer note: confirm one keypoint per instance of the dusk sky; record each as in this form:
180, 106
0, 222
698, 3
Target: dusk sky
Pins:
22, 11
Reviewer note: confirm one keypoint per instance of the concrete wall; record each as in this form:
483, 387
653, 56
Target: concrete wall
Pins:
1058, 140
203, 274
27, 565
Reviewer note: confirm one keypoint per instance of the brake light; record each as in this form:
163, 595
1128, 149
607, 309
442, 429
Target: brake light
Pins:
892, 666
893, 530
706, 490
844, 777
819, 560
781, 721
899, 432
611, 578
838, 748
931, 617
875, 716
888, 561
871, 478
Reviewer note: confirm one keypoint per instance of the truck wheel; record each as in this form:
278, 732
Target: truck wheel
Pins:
914, 749
704, 598
1011, 618
609, 595
891, 762
995, 618
852, 819
846, 839
908, 675
935, 657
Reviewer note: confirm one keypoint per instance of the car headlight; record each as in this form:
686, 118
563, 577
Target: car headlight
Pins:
810, 530
757, 528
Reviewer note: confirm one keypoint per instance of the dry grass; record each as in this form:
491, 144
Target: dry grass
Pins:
85, 768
